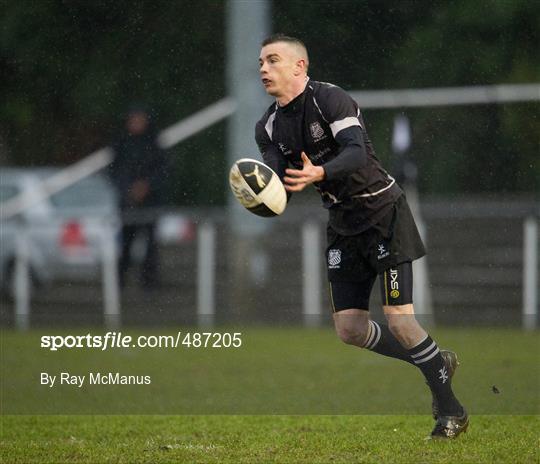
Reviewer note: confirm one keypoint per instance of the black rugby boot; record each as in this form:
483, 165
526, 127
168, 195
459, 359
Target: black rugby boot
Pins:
449, 427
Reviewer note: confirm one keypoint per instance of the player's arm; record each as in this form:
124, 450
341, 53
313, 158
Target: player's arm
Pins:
352, 155
296, 179
341, 112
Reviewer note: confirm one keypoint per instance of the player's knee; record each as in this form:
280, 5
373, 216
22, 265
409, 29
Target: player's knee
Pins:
349, 336
400, 324
352, 335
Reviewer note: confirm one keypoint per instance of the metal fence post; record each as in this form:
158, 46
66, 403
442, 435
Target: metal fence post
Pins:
206, 269
530, 274
423, 305
22, 281
111, 290
311, 267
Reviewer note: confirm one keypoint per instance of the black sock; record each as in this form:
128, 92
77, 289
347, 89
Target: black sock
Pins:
382, 341
428, 359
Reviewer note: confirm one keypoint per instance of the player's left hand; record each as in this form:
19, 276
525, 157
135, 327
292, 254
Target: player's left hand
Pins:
296, 179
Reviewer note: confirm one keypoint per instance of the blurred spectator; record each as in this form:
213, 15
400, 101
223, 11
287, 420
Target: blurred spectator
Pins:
138, 171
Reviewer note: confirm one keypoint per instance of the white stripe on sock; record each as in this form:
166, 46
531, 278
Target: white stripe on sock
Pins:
423, 352
371, 334
377, 338
423, 360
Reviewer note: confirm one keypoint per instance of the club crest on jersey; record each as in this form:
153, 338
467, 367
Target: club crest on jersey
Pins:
317, 132
334, 259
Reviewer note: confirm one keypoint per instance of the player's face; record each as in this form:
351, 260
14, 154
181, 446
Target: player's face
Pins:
278, 68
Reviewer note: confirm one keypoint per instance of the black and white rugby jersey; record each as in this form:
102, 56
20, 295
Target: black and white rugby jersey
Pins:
326, 123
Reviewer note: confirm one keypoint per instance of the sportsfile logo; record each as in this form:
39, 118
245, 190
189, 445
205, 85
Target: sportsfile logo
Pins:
394, 285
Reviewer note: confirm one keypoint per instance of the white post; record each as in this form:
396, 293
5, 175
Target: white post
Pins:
22, 281
423, 305
311, 267
206, 268
111, 291
530, 274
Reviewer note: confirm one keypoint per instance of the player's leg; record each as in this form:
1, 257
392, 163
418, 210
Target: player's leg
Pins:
396, 292
352, 326
149, 268
351, 280
350, 303
127, 236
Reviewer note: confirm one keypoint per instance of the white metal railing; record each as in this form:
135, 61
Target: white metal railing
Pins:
22, 281
311, 272
530, 273
106, 234
111, 288
206, 274
447, 96
312, 281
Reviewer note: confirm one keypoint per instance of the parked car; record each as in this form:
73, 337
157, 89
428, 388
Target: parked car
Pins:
64, 231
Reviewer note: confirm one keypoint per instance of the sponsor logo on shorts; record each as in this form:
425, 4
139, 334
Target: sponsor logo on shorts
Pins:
394, 285
383, 252
334, 259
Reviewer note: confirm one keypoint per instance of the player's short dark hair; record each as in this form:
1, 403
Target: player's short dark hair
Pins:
287, 39
282, 38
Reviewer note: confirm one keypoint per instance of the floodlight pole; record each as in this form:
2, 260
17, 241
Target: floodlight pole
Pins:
247, 24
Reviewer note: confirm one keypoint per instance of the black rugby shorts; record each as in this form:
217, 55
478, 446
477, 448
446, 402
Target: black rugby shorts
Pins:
353, 262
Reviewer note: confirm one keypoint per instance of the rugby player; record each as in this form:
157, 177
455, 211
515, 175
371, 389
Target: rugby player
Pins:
314, 133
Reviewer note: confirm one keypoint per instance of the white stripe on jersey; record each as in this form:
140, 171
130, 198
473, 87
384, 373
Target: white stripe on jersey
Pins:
317, 106
269, 126
378, 192
337, 126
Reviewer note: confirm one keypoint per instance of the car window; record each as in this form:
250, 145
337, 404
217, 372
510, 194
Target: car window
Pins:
90, 192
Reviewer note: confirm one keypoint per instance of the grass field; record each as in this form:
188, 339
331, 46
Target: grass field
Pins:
288, 395
252, 439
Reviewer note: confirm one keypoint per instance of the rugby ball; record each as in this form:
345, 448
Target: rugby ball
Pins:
257, 187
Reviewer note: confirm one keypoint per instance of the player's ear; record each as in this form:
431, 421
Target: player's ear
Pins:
299, 67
